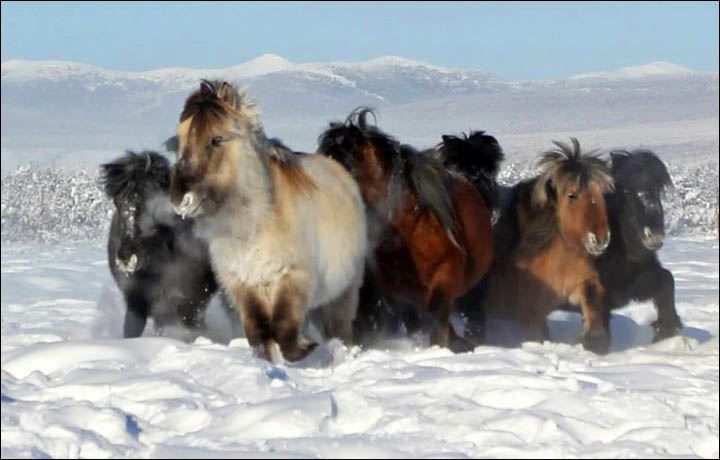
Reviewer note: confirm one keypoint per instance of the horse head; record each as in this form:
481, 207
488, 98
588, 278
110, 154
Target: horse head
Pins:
217, 127
573, 185
640, 180
138, 185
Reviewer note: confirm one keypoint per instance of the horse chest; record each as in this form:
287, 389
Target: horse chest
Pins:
563, 271
251, 264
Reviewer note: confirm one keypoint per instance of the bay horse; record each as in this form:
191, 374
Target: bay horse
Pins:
551, 230
476, 156
630, 269
430, 233
161, 268
286, 232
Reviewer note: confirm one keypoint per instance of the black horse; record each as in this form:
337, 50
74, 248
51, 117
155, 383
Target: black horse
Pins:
162, 269
629, 269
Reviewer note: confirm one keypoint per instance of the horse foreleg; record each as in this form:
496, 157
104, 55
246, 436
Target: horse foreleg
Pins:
288, 315
256, 319
659, 285
136, 315
591, 298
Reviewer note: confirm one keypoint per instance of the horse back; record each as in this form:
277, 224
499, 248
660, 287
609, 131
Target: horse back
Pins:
323, 224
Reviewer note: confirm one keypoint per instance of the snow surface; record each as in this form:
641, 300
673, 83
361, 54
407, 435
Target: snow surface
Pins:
71, 387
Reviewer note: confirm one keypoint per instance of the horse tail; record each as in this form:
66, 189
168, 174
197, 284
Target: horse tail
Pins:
427, 179
477, 157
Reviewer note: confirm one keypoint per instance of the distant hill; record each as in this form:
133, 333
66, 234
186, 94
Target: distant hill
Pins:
73, 113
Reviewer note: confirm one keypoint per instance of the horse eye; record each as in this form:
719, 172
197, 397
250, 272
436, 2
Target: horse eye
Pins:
216, 140
572, 196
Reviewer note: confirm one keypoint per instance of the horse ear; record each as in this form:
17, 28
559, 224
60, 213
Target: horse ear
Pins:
540, 192
207, 89
228, 94
172, 144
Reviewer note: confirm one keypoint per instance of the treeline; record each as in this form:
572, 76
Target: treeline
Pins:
57, 205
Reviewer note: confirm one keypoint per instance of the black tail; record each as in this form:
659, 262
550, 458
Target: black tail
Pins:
477, 157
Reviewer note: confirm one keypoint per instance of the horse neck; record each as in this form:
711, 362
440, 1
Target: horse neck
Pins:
250, 199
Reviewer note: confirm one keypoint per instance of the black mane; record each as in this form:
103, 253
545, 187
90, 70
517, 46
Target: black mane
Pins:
477, 157
639, 169
131, 173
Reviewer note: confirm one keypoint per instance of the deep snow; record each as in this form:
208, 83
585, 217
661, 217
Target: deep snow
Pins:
71, 387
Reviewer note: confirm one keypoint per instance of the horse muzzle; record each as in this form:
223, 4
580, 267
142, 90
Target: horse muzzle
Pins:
127, 267
189, 206
594, 246
652, 241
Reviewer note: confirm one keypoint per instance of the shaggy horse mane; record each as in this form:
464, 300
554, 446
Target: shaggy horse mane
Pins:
477, 148
476, 157
128, 174
424, 175
216, 100
566, 164
640, 169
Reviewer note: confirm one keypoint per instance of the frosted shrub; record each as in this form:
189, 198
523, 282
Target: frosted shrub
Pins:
51, 205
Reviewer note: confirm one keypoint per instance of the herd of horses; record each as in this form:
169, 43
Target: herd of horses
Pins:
370, 236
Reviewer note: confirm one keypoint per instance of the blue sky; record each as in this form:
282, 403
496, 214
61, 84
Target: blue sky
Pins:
512, 40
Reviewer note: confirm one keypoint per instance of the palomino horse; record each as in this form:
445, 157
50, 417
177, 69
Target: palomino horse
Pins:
286, 232
430, 231
550, 231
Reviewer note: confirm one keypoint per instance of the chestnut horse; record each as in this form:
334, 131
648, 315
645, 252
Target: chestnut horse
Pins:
430, 232
550, 231
286, 232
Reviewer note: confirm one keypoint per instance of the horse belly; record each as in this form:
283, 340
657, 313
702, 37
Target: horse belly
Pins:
336, 214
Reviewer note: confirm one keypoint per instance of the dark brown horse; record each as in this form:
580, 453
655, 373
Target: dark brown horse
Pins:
550, 230
430, 231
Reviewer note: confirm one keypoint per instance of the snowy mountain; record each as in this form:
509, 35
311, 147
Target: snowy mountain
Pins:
659, 69
73, 113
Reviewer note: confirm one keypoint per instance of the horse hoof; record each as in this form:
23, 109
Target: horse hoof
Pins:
597, 343
475, 334
664, 330
299, 351
460, 345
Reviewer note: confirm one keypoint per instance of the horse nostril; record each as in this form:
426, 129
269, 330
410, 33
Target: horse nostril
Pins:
592, 238
187, 200
647, 232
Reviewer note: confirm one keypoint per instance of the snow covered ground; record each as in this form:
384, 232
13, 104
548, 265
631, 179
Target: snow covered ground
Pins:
71, 387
